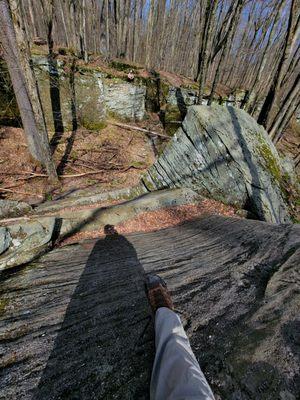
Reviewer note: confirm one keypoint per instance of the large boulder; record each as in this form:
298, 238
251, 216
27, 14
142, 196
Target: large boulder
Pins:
222, 153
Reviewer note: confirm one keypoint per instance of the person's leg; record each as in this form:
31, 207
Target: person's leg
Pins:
176, 373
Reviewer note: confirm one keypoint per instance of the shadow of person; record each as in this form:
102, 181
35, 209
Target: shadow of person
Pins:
103, 349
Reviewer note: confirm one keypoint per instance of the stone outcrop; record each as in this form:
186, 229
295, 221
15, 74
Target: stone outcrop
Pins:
75, 324
12, 208
222, 153
23, 242
94, 96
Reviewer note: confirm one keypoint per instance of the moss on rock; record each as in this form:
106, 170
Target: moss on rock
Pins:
121, 66
270, 161
172, 119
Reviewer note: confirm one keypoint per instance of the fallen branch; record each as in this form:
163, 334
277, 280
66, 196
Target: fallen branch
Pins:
35, 175
19, 192
78, 175
69, 175
84, 165
136, 128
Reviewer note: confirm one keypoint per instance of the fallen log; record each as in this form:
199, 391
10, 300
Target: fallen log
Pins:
136, 128
35, 175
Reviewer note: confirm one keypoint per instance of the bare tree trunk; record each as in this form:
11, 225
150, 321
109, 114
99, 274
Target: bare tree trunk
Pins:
263, 61
107, 29
229, 35
136, 30
265, 114
61, 2
25, 87
149, 61
206, 46
286, 109
32, 18
48, 13
287, 117
83, 33
74, 26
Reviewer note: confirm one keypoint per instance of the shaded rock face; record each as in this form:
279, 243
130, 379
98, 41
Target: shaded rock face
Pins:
125, 100
77, 99
87, 97
222, 153
182, 97
12, 208
5, 239
75, 324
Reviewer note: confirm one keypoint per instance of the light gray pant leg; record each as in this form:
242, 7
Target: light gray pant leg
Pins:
176, 373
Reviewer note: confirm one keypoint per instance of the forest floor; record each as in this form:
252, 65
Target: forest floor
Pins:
160, 219
112, 158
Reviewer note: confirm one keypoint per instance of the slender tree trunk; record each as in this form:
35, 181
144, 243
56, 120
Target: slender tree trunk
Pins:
149, 61
63, 18
287, 117
206, 46
48, 12
83, 33
285, 108
25, 88
229, 36
265, 114
264, 56
32, 18
136, 30
107, 29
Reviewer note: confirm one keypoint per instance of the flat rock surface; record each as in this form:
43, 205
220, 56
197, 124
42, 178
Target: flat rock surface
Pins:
75, 324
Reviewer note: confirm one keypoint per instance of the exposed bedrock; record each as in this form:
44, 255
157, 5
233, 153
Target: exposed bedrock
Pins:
222, 153
75, 324
92, 98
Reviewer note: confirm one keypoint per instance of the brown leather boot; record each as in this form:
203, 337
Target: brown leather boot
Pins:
158, 294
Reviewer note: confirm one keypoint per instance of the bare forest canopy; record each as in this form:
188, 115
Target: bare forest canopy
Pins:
168, 34
251, 45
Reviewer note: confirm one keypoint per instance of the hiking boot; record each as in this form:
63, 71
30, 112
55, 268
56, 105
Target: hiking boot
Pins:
158, 294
